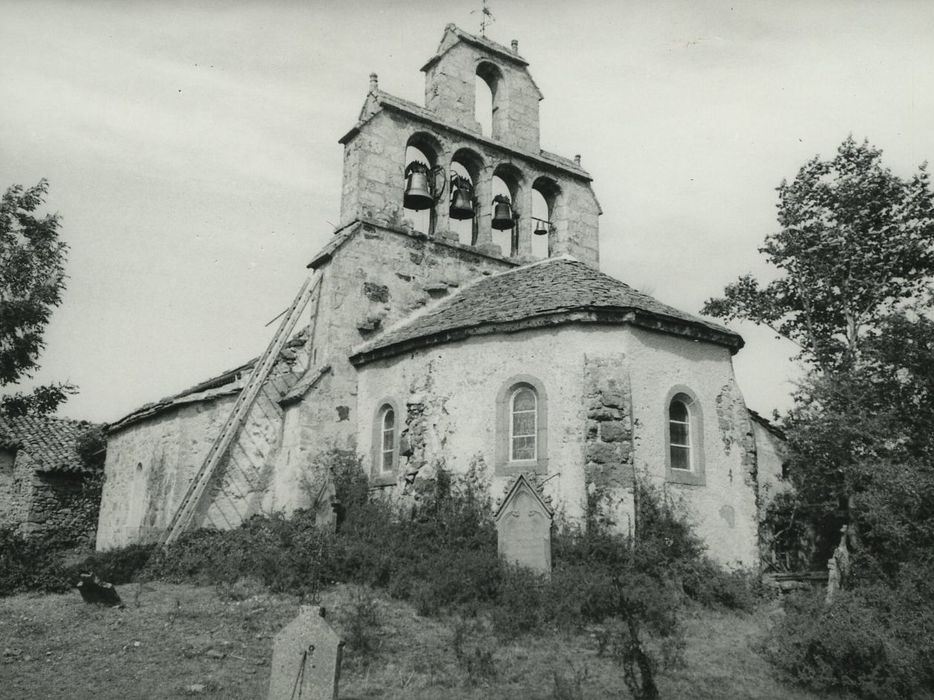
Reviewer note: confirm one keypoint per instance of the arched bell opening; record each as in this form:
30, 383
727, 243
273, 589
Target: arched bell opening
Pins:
488, 99
504, 219
422, 187
545, 193
463, 206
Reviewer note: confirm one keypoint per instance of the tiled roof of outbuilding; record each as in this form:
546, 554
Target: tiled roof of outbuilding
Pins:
553, 291
50, 442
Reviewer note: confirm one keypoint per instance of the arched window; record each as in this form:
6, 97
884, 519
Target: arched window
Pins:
545, 194
679, 434
466, 166
521, 427
419, 182
523, 424
488, 99
385, 448
387, 445
684, 438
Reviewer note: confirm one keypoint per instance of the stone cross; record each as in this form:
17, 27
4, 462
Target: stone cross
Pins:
523, 527
306, 659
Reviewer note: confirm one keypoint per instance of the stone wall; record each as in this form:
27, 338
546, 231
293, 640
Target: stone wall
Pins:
451, 94
724, 506
63, 508
15, 487
598, 437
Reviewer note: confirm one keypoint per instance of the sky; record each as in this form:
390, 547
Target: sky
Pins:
191, 150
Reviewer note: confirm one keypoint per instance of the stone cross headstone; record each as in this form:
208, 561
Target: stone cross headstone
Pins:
523, 526
306, 659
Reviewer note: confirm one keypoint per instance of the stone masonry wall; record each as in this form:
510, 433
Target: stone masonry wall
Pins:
724, 507
378, 278
608, 439
451, 94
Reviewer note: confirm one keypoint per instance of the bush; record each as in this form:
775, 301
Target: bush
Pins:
28, 565
874, 641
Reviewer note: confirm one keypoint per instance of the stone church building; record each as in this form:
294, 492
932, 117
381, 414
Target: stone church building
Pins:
461, 320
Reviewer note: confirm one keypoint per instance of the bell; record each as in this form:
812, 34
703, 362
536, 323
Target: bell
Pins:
461, 206
502, 216
417, 195
541, 228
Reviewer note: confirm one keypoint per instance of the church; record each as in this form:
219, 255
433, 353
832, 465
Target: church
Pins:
458, 319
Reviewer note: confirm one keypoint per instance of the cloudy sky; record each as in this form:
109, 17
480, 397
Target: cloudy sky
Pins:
191, 149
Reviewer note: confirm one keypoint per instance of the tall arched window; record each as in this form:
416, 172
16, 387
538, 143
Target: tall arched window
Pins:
545, 195
488, 98
679, 434
419, 182
521, 426
385, 448
684, 438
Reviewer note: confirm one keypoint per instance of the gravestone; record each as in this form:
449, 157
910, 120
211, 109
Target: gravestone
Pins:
306, 658
523, 527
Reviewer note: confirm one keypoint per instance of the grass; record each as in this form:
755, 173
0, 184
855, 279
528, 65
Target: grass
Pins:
169, 638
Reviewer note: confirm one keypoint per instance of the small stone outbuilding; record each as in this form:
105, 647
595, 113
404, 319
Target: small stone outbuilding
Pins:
47, 488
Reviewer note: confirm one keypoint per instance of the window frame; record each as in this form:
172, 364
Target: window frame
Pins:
695, 475
380, 476
505, 465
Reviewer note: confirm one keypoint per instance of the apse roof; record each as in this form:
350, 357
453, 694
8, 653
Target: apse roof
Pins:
546, 293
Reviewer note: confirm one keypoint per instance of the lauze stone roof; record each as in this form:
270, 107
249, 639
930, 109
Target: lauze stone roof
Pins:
550, 292
50, 442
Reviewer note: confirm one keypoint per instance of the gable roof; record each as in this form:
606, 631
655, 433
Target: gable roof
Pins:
50, 442
223, 384
522, 482
454, 34
545, 293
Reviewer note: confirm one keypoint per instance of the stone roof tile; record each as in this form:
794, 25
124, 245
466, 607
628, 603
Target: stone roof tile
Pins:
50, 442
550, 291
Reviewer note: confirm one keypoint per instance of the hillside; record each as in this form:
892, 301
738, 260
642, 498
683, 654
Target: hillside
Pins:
177, 640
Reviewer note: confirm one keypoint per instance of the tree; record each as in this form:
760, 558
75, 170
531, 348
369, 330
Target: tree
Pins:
32, 279
856, 242
855, 249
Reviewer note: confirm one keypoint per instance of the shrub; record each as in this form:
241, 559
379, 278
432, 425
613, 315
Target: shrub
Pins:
874, 641
26, 564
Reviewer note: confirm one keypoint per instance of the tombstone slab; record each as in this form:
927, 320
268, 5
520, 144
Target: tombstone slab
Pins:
306, 658
523, 527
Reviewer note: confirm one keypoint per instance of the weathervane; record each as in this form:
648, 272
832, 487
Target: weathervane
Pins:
486, 17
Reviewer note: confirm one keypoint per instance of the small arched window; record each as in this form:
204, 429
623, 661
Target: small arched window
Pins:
521, 427
679, 434
685, 432
523, 424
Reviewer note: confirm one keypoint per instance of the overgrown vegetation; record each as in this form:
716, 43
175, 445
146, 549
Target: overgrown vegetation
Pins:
439, 553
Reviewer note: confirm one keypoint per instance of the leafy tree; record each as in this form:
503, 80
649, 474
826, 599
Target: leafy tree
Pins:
856, 241
32, 279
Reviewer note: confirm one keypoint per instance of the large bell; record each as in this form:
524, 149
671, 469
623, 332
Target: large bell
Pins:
502, 216
461, 206
417, 195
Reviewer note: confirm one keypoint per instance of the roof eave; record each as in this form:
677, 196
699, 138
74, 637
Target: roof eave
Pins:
617, 315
